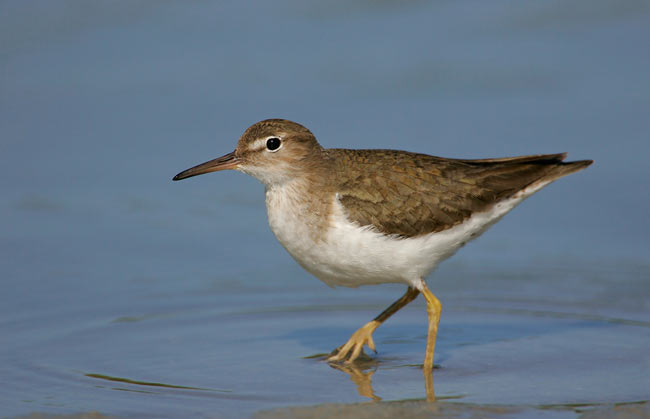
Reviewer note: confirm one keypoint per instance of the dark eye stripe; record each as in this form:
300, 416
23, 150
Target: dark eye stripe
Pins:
273, 143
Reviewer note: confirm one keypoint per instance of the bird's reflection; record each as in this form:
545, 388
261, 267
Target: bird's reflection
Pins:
362, 370
361, 378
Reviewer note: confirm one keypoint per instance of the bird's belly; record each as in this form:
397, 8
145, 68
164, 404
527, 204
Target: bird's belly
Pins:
352, 256
346, 254
329, 247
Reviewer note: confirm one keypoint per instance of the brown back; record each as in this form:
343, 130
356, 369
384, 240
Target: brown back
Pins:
409, 194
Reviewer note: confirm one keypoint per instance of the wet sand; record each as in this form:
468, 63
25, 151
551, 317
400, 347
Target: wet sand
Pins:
422, 409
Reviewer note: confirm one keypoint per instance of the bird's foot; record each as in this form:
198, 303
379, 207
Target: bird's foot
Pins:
349, 352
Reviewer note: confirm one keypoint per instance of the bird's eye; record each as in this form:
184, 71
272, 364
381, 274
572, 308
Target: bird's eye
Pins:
272, 144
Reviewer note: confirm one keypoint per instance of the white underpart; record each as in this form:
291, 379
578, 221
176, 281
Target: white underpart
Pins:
350, 256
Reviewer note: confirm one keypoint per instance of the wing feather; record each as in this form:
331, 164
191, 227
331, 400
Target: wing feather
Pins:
408, 194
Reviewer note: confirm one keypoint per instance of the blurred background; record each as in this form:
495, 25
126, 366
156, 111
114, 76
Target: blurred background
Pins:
113, 277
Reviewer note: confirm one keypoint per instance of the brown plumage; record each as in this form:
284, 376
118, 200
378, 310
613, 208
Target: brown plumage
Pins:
409, 194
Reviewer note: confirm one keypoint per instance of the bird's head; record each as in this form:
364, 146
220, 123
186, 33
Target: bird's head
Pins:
273, 151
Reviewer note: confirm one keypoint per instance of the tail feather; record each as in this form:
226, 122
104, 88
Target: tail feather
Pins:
507, 176
535, 158
564, 169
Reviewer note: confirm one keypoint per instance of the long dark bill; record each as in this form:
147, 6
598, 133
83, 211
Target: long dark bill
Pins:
229, 161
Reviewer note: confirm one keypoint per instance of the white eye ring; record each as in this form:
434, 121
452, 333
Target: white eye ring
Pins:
273, 144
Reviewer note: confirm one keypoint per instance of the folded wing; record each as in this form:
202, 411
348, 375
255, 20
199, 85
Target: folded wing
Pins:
410, 194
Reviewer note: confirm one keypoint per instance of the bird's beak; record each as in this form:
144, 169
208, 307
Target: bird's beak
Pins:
229, 161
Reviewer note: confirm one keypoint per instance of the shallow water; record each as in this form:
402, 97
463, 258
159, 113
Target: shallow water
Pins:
130, 295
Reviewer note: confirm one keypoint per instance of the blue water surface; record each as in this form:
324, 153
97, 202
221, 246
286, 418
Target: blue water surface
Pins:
130, 295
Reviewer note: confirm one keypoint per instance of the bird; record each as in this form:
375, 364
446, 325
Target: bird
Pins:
354, 217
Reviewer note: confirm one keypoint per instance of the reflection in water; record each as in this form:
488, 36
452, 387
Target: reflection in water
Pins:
362, 379
361, 374
428, 386
149, 383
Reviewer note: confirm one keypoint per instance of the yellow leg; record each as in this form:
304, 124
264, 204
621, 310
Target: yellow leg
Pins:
433, 310
363, 336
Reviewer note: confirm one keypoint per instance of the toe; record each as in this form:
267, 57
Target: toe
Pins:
371, 344
355, 353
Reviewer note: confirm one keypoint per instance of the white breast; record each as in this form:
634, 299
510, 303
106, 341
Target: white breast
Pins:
349, 255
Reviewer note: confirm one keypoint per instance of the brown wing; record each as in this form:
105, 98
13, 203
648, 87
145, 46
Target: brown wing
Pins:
409, 194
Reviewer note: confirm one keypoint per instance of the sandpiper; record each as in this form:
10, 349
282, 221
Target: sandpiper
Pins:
364, 217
